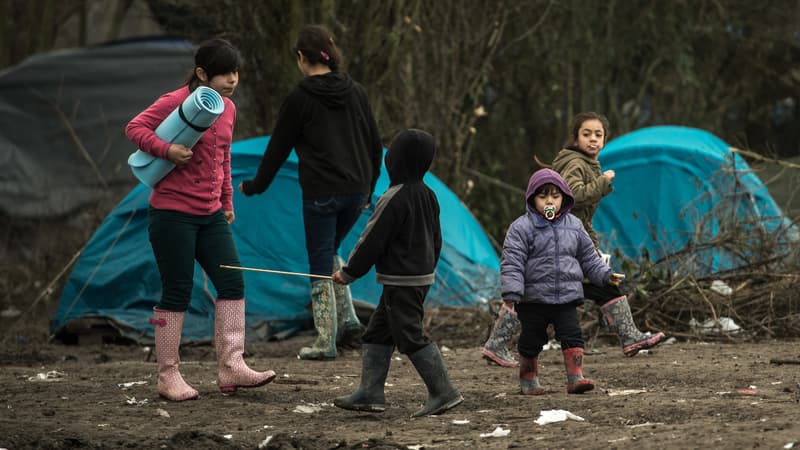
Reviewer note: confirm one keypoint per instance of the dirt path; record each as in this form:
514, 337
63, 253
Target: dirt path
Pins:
683, 395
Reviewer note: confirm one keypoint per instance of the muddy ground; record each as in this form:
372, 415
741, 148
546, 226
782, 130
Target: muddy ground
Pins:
680, 395
693, 393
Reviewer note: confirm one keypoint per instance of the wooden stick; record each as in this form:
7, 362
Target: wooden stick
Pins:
279, 272
784, 361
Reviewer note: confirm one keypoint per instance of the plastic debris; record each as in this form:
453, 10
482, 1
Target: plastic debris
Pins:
264, 443
710, 326
307, 409
133, 401
721, 288
48, 376
131, 384
10, 312
227, 436
162, 413
498, 432
552, 345
614, 392
646, 424
460, 421
556, 415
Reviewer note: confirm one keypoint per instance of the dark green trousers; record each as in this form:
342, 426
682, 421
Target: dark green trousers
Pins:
178, 239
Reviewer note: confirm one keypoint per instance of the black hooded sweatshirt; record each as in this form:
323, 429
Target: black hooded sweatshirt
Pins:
403, 237
328, 120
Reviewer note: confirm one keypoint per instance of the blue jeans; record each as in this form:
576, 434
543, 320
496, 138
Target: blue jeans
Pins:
327, 221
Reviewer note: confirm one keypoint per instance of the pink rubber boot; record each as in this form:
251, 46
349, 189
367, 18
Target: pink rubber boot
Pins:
229, 344
171, 386
573, 362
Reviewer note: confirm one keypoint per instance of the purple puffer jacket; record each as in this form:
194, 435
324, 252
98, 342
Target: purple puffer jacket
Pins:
546, 261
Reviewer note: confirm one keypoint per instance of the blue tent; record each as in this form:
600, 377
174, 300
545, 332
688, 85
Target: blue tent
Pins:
116, 277
677, 185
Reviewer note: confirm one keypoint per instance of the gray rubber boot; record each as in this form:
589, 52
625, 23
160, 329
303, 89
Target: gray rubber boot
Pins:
442, 395
369, 396
496, 348
323, 307
349, 328
617, 314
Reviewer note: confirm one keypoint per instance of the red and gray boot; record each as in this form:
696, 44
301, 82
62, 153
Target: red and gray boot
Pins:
617, 315
529, 376
496, 348
573, 362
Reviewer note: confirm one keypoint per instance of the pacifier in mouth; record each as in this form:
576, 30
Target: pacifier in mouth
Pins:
549, 212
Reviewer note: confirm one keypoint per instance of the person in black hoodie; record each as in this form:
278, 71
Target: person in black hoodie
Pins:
329, 122
402, 240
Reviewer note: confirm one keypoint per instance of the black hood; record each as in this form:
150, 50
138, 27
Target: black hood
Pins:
410, 155
332, 89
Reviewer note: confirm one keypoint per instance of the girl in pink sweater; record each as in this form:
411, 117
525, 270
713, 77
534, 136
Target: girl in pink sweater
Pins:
190, 211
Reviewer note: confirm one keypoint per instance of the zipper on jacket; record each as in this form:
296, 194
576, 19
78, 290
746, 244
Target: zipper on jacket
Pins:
555, 265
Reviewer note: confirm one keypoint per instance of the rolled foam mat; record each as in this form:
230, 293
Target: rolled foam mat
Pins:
182, 126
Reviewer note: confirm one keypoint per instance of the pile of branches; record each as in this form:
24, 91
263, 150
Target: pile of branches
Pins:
735, 267
745, 305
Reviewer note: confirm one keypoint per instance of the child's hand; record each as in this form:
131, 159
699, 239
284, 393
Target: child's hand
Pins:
337, 278
179, 154
616, 278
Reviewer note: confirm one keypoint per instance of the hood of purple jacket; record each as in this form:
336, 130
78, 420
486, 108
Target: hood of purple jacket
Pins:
542, 177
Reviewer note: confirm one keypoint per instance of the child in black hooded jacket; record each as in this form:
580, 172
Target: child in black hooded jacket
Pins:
402, 240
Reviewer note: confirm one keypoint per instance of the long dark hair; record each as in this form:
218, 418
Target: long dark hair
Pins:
316, 43
577, 122
215, 57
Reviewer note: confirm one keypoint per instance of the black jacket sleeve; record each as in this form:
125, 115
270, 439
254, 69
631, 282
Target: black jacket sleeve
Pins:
373, 241
288, 129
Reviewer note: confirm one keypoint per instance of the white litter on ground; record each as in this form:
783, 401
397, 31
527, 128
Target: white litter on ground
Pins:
460, 421
131, 384
49, 376
498, 432
614, 392
133, 401
264, 443
556, 415
307, 409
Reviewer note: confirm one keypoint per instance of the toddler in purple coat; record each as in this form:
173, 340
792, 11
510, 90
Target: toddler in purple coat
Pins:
547, 253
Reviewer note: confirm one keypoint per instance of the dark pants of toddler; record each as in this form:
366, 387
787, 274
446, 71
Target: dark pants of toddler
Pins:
178, 239
601, 294
534, 318
398, 319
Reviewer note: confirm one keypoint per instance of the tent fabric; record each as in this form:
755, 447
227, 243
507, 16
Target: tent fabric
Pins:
185, 126
116, 277
673, 182
62, 141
